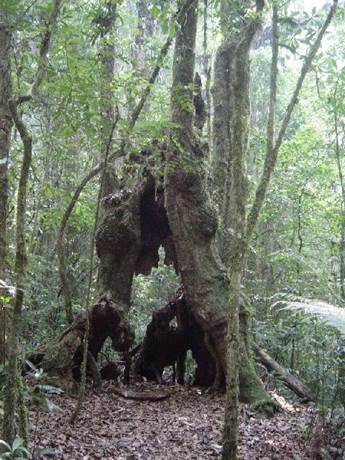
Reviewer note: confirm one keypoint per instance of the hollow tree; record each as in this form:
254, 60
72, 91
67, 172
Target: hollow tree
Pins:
174, 211
150, 210
192, 218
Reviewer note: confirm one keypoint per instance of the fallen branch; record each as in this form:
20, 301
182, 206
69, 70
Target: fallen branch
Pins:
289, 380
142, 395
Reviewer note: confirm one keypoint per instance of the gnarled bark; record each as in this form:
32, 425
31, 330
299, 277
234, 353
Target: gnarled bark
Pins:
180, 217
192, 219
62, 359
193, 223
133, 228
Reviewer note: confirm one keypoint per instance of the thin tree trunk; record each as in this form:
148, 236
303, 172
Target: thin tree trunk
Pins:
236, 246
11, 387
272, 153
5, 137
107, 109
221, 133
12, 382
60, 245
241, 237
108, 124
222, 161
342, 211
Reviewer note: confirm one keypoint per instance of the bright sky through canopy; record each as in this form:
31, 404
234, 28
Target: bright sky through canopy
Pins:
310, 4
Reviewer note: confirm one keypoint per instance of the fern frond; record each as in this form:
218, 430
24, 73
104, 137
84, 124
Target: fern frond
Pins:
330, 314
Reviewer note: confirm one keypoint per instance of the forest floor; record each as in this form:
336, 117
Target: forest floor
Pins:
187, 425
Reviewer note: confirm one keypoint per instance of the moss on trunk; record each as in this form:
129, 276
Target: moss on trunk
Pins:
5, 137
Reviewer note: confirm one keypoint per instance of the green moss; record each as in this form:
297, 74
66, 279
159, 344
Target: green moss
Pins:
266, 407
251, 388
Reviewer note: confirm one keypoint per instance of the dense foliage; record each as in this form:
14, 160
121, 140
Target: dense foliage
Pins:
298, 247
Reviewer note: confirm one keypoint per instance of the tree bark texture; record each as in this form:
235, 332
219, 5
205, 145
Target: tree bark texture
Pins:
235, 247
62, 358
5, 136
133, 227
11, 402
192, 219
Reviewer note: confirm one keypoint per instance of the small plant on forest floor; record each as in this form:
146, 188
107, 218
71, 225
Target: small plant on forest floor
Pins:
338, 420
16, 451
38, 396
39, 393
306, 429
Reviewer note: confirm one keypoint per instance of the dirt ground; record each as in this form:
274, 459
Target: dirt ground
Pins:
187, 425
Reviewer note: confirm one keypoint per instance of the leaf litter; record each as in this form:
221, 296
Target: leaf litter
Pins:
187, 425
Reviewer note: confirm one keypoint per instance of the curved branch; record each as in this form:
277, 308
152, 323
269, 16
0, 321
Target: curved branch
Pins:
65, 284
88, 294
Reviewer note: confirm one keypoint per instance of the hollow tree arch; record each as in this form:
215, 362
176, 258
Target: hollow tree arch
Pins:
176, 213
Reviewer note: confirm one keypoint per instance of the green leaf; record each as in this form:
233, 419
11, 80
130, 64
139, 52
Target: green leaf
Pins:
51, 407
17, 443
4, 443
155, 11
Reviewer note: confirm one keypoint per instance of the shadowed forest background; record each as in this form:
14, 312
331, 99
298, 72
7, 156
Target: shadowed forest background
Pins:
172, 229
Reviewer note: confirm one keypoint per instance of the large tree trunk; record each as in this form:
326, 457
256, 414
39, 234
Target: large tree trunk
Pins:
5, 135
193, 221
133, 227
136, 221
